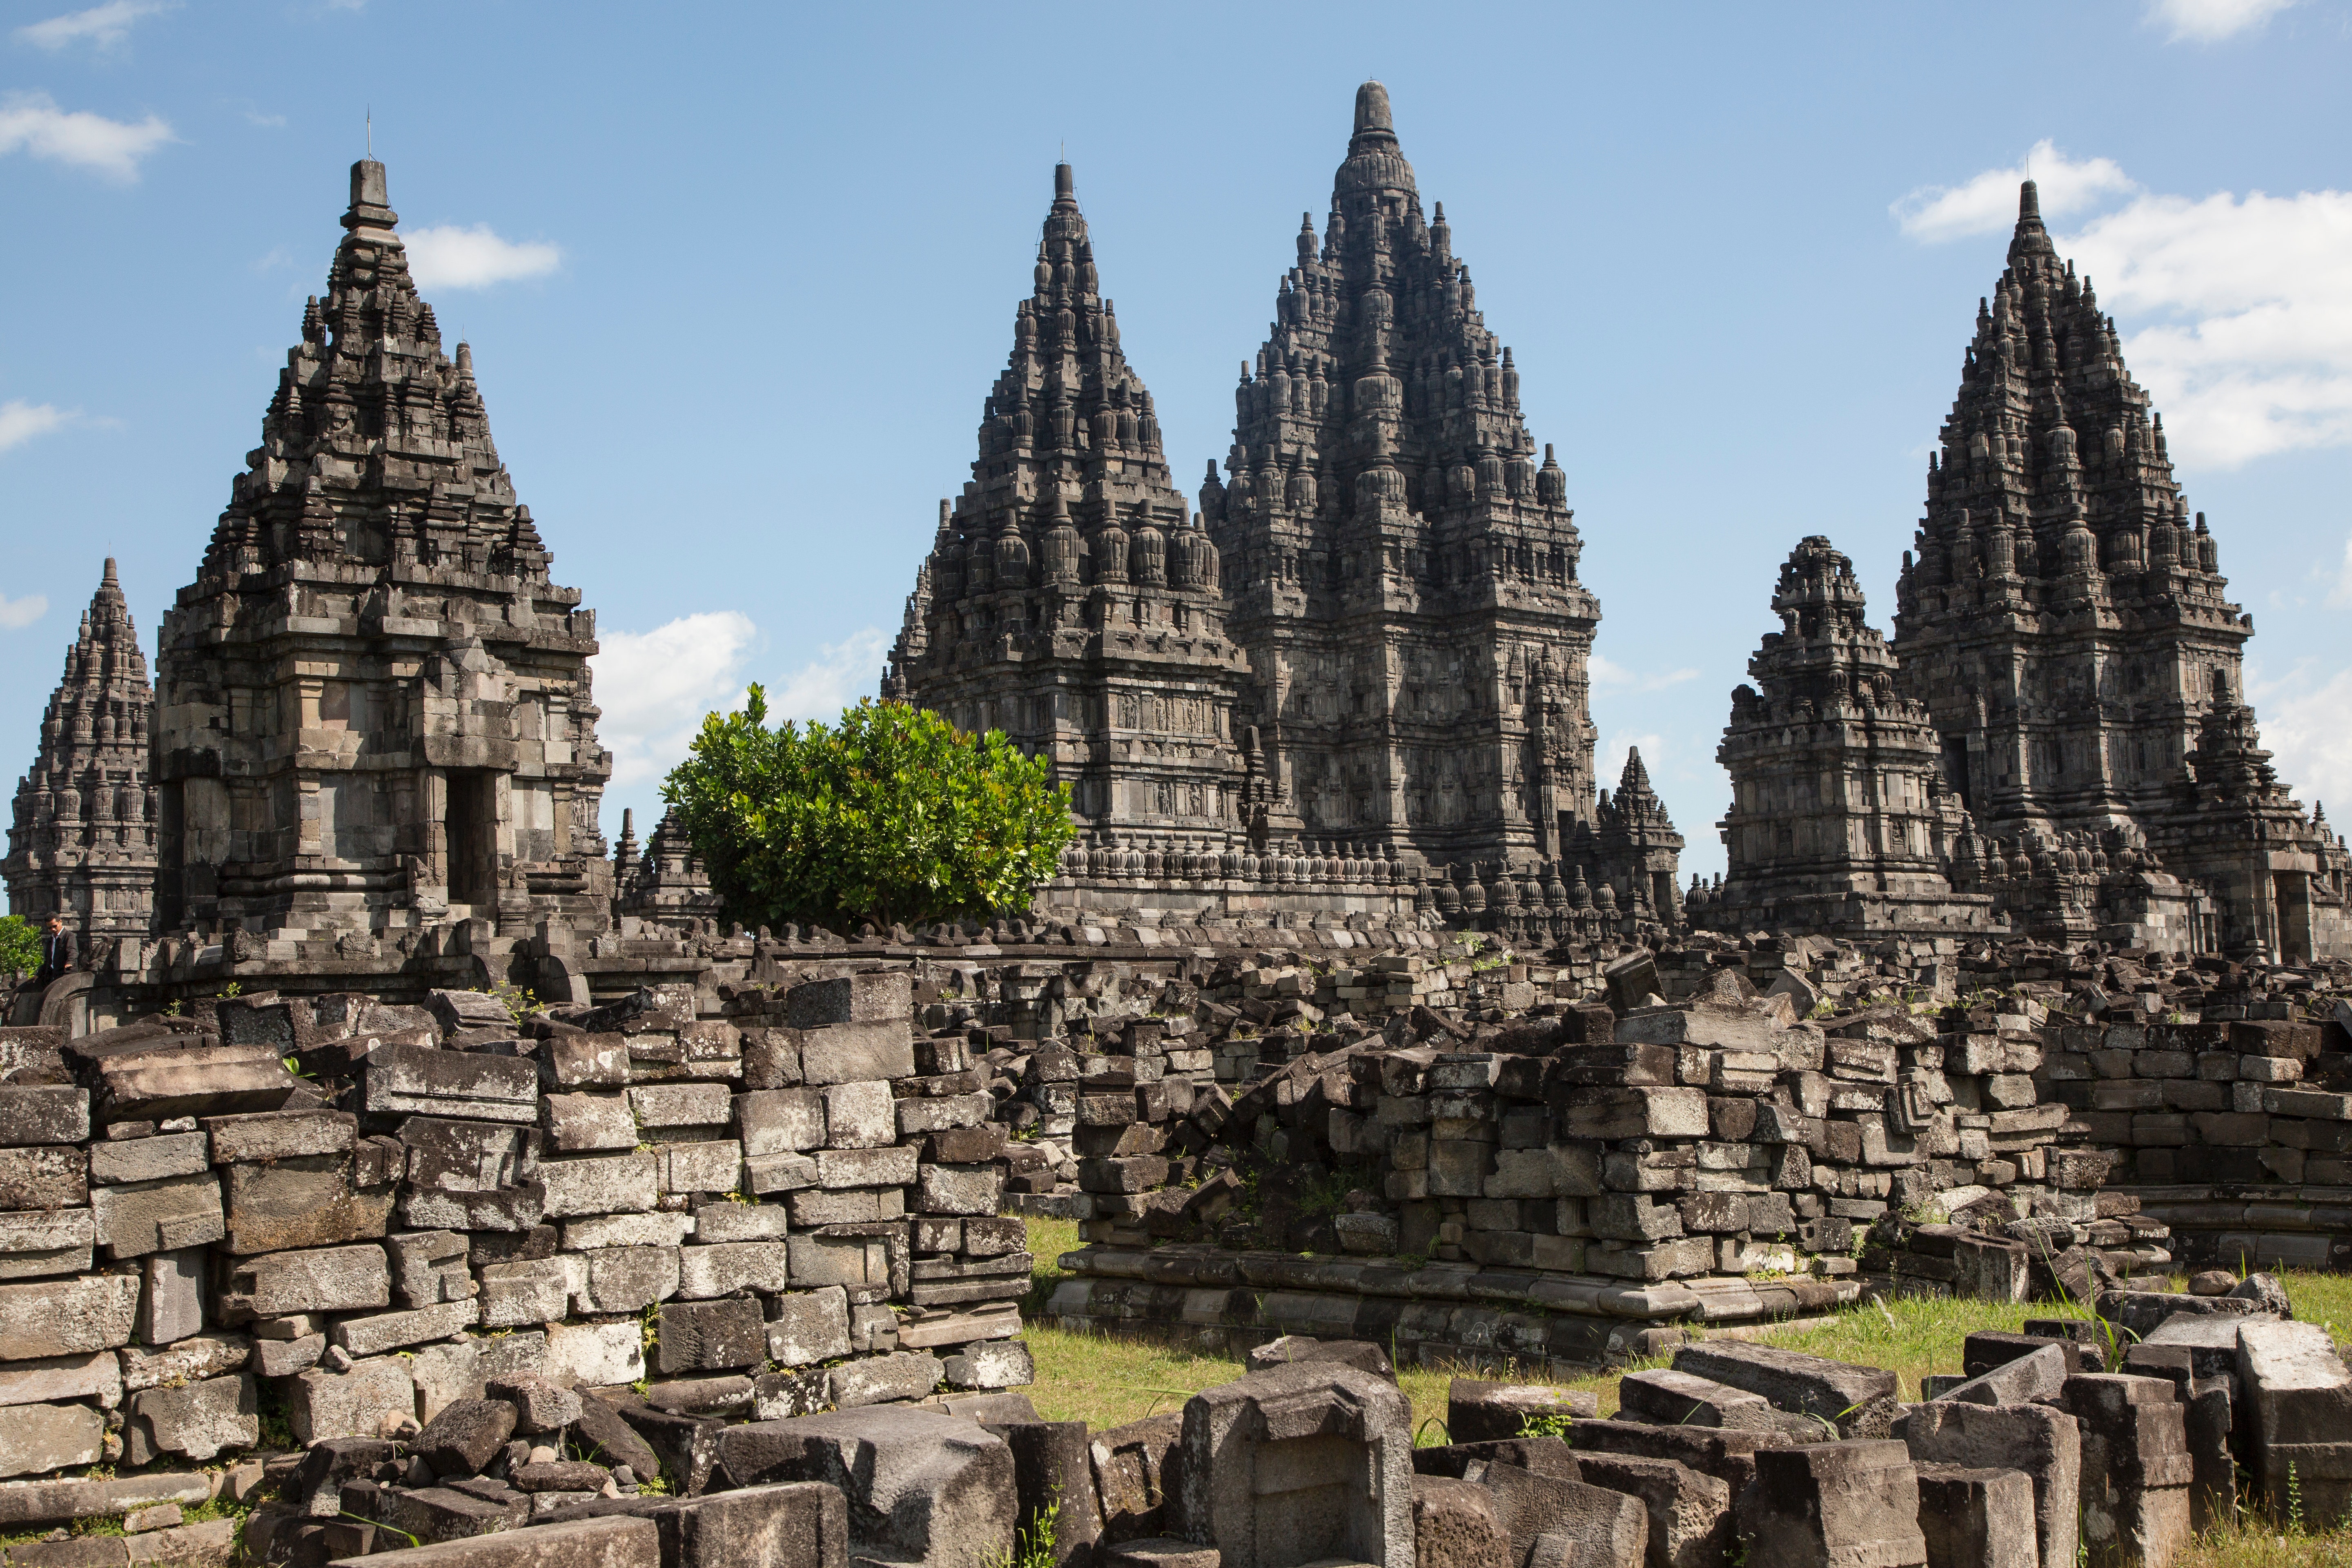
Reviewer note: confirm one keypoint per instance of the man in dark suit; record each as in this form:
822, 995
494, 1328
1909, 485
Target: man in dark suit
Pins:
56, 951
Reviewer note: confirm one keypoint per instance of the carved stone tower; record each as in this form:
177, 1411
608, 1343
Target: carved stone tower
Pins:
374, 706
2064, 619
1840, 820
1069, 599
83, 841
1403, 568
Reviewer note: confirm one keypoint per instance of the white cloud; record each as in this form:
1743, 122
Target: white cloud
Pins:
15, 614
32, 121
1606, 675
840, 674
451, 256
2339, 597
1988, 203
2302, 721
101, 26
655, 687
2241, 316
2210, 21
21, 421
1613, 751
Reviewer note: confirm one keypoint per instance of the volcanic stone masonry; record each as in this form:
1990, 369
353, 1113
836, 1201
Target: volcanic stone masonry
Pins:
1363, 689
373, 709
82, 842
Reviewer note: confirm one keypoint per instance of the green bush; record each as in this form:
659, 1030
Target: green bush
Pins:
892, 815
20, 947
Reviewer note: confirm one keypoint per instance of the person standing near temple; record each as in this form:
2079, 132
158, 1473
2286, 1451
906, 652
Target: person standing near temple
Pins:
56, 951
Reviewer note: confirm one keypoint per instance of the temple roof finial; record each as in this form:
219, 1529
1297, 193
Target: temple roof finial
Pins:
1372, 107
2029, 202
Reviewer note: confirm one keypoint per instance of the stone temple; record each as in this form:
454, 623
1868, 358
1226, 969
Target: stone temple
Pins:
1357, 682
2064, 650
82, 844
372, 707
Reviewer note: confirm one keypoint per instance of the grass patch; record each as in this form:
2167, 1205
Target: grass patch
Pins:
2251, 1543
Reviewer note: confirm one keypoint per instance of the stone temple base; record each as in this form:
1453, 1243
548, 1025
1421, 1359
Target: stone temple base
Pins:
2234, 1226
1436, 1314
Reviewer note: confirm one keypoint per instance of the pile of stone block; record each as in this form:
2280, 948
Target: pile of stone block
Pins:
349, 1216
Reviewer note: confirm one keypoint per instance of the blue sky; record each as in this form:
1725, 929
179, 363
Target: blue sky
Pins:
738, 278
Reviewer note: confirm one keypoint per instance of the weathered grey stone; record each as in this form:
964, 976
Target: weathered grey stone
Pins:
1555, 1522
304, 1200
280, 1134
41, 1242
1453, 1526
461, 1439
989, 1364
618, 1183
38, 1437
709, 1167
428, 1268
1477, 1411
612, 1543
1977, 1518
960, 1189
325, 1280
516, 1295
711, 1336
98, 1377
626, 1279
820, 1260
67, 1317
153, 1084
381, 1331
1299, 1462
171, 1301
779, 1120
120, 1161
873, 996
541, 1405
284, 1358
416, 1081
1858, 1401
587, 1061
50, 1178
42, 1501
2136, 1468
707, 1271
470, 1175
190, 1361
810, 1326
716, 1223
1850, 1503
921, 1485
681, 1104
2298, 1416
157, 1216
43, 1113
445, 1373
875, 1380
600, 1355
859, 1115
194, 1420
627, 1230
371, 1400
2046, 1443
1690, 1513
1680, 1398
2039, 1375
582, 1123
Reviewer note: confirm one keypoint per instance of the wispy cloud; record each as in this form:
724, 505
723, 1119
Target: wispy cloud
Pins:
33, 123
841, 673
21, 421
1608, 675
655, 687
1987, 203
100, 26
15, 614
2210, 21
451, 256
2340, 595
2302, 721
2244, 316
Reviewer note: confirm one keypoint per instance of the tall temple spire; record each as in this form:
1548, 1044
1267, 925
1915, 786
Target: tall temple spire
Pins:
2065, 620
1064, 599
374, 586
82, 843
1402, 560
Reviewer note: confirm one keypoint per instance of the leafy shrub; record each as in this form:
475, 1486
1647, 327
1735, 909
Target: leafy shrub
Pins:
892, 815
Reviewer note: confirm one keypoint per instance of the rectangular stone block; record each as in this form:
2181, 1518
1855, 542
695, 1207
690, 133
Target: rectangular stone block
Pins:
413, 1081
303, 1200
330, 1280
280, 1134
712, 1167
525, 1293
583, 1123
1977, 1518
779, 1120
1858, 1401
1854, 1503
854, 1261
43, 1113
158, 1217
116, 1161
587, 1061
888, 1168
39, 1438
708, 1271
470, 1175
626, 1279
57, 1379
959, 1189
859, 1115
603, 1543
874, 996
810, 1326
430, 1267
381, 1331
623, 1184
371, 1400
38, 1242
44, 1178
681, 1104
599, 1355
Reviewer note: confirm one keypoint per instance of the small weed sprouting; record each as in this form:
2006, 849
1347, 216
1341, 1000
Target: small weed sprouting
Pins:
1421, 1433
1546, 1423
